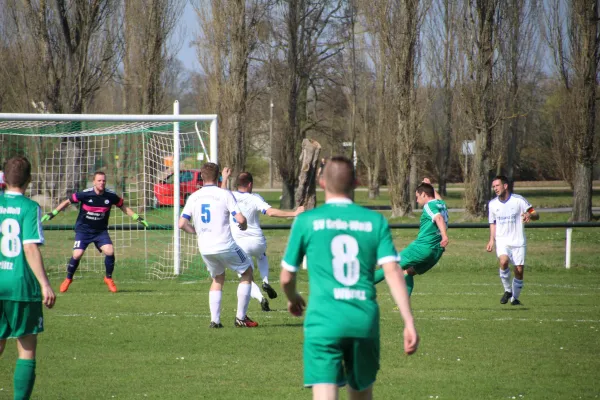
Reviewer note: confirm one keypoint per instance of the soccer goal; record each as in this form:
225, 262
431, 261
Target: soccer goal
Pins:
143, 156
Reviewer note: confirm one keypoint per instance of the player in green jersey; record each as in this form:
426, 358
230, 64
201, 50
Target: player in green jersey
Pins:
427, 249
24, 285
342, 243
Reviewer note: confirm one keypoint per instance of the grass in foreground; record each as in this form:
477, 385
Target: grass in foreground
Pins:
151, 340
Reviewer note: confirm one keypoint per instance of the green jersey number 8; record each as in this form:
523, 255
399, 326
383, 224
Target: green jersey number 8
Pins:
10, 245
346, 267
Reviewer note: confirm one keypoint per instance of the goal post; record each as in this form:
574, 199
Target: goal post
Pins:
143, 156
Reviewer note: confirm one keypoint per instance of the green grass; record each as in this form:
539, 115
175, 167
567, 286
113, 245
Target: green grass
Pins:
151, 339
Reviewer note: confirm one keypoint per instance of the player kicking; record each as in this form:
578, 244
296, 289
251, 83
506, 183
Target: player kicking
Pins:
92, 226
24, 285
508, 213
426, 250
252, 240
343, 242
211, 208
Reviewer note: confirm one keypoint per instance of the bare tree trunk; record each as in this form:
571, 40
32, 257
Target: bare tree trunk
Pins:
306, 192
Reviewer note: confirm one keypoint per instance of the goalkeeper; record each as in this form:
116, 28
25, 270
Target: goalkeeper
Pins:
92, 226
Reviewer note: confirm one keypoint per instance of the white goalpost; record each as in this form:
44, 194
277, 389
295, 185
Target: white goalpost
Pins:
152, 161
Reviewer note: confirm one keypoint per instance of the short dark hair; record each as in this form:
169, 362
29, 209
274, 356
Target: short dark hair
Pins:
210, 171
426, 188
501, 178
244, 179
17, 171
99, 173
338, 173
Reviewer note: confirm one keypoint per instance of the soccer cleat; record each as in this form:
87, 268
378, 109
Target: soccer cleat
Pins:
515, 302
111, 285
64, 286
245, 323
215, 325
270, 291
505, 297
264, 305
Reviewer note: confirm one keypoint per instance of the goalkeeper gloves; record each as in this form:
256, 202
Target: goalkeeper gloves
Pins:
140, 220
50, 215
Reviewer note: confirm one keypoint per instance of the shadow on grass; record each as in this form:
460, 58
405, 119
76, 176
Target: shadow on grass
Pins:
292, 325
136, 291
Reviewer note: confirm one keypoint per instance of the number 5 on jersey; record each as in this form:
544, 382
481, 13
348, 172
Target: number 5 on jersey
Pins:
205, 216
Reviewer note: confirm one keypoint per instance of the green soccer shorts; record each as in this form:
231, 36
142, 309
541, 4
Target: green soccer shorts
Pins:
341, 361
420, 258
20, 318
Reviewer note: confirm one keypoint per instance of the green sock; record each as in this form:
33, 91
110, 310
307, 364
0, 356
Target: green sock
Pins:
379, 276
410, 283
24, 379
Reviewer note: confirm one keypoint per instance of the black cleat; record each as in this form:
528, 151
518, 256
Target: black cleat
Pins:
270, 291
264, 305
215, 325
516, 302
505, 297
245, 323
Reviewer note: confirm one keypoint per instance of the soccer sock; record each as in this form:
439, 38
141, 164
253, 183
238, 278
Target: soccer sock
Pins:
263, 268
24, 379
255, 292
72, 267
505, 278
109, 264
410, 283
379, 276
516, 288
214, 300
243, 294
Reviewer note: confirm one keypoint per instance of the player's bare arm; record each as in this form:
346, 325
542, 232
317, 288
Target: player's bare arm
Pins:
134, 215
225, 174
490, 245
185, 225
36, 263
54, 213
395, 280
296, 303
275, 212
242, 221
439, 221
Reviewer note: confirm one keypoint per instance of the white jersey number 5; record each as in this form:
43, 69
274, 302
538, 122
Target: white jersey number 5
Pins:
346, 267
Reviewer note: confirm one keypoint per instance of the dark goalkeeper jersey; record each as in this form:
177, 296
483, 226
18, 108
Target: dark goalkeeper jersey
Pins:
94, 210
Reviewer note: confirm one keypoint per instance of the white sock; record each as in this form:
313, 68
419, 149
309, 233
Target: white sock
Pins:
516, 288
214, 300
263, 267
505, 278
255, 292
243, 294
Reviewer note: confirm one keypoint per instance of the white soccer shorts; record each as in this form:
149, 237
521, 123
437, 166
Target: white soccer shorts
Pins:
516, 254
253, 246
236, 260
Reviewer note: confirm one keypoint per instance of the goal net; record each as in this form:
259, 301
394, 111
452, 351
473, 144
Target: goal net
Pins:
143, 157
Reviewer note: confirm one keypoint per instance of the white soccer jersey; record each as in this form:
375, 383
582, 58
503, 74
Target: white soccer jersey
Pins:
507, 217
210, 208
251, 205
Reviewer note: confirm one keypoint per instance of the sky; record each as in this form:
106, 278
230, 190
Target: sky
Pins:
187, 54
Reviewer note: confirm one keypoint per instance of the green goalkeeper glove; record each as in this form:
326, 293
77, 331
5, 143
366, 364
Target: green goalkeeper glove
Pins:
50, 215
140, 220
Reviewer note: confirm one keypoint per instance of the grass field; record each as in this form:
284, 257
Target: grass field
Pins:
151, 339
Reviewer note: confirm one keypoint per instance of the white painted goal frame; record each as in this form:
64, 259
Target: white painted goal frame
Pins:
174, 118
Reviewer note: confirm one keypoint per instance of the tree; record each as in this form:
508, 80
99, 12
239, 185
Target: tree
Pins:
574, 43
306, 41
397, 24
478, 46
230, 34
